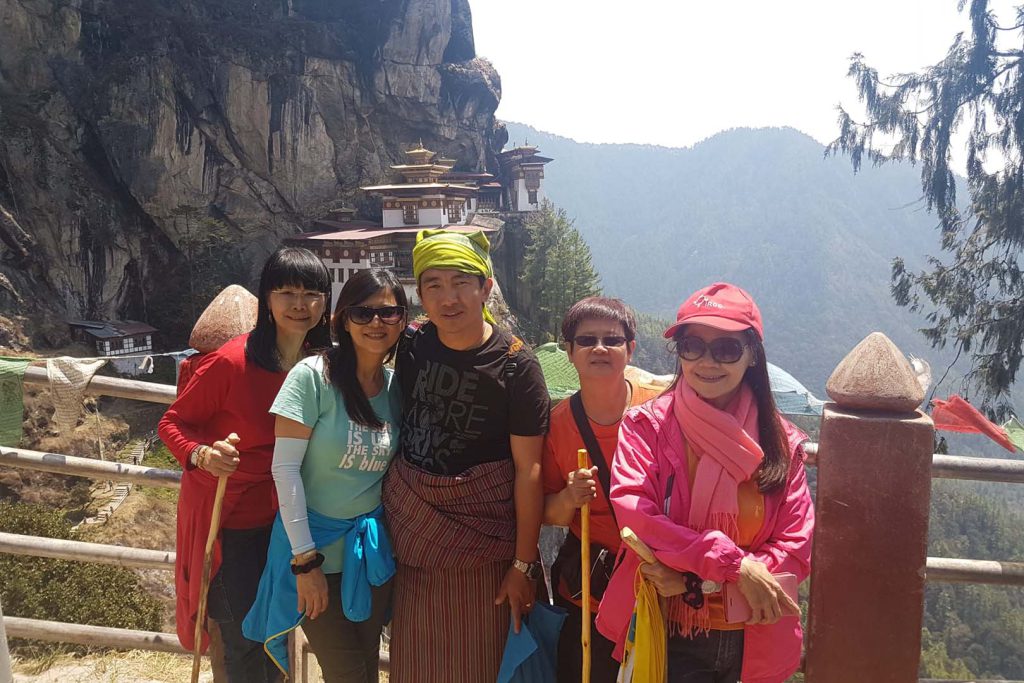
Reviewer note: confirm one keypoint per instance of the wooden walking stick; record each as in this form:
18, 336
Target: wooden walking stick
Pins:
637, 546
581, 457
204, 585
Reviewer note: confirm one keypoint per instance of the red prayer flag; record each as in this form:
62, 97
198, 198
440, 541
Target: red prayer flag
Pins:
957, 415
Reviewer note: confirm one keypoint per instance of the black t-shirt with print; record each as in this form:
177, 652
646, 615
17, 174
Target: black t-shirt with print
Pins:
457, 410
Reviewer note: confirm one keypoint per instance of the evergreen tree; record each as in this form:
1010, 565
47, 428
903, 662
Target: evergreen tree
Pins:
558, 269
652, 349
974, 297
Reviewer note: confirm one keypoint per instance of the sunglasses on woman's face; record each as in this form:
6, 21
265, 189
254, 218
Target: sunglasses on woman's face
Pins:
612, 341
364, 315
723, 349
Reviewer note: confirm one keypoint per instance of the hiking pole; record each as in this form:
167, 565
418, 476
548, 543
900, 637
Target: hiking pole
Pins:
581, 457
204, 585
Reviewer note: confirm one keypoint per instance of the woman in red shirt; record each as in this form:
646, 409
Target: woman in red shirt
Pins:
230, 393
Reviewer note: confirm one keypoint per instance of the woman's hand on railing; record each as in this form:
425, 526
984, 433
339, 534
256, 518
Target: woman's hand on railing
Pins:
767, 600
666, 581
312, 589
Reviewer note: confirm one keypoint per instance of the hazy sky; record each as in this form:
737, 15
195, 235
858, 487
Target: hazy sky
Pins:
673, 72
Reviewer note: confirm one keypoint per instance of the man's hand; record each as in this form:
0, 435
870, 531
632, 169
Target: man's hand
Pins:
581, 487
768, 601
221, 457
519, 591
312, 588
666, 580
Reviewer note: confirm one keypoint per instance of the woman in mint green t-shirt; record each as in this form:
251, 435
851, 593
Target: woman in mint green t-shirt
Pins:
338, 416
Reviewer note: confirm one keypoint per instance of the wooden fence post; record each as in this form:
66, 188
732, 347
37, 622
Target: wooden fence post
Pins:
6, 676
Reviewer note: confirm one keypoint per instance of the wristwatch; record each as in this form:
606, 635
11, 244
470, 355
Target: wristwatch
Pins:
531, 569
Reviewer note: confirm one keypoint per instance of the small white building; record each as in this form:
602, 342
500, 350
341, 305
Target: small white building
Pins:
523, 170
420, 197
114, 337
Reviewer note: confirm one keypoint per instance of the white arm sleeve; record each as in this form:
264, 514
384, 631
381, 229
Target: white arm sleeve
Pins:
288, 455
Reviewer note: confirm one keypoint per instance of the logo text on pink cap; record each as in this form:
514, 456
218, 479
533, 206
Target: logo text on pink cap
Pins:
704, 302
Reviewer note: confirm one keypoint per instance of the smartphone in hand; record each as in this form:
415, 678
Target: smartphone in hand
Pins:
737, 609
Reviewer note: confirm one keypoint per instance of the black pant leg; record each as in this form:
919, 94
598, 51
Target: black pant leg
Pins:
348, 651
232, 592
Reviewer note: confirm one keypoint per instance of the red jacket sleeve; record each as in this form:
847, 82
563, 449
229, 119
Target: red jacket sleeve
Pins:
639, 505
184, 425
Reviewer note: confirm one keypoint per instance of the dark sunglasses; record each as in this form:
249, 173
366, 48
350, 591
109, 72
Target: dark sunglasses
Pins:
364, 315
610, 342
723, 349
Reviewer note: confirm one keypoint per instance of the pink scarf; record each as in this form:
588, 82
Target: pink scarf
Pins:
726, 441
730, 454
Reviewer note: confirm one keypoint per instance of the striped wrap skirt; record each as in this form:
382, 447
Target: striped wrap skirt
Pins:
454, 538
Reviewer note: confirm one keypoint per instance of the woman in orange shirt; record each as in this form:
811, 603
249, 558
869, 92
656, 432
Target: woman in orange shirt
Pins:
599, 335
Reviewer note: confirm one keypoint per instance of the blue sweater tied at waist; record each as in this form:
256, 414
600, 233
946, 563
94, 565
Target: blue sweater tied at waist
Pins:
368, 561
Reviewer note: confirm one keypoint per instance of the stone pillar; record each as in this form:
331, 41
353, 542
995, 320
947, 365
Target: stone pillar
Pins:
870, 543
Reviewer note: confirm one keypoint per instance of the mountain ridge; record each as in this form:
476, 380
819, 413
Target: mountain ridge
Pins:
764, 208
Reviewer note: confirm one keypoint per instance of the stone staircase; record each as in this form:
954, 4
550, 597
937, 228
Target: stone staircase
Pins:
122, 489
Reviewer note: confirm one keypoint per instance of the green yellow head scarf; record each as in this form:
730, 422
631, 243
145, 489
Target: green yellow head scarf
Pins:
464, 252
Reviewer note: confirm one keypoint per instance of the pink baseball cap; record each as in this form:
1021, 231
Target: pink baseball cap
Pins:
722, 306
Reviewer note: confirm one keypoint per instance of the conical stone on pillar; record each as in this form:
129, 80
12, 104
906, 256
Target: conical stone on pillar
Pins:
875, 375
231, 313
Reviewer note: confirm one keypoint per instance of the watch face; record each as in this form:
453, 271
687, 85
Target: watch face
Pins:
532, 570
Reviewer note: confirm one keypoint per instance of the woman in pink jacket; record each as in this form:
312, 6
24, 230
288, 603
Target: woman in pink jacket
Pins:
711, 477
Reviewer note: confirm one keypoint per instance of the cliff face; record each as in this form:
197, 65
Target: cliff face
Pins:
124, 123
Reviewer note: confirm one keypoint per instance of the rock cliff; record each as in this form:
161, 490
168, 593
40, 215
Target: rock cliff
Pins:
125, 124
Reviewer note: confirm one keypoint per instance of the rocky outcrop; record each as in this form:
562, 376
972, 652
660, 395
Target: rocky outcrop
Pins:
125, 124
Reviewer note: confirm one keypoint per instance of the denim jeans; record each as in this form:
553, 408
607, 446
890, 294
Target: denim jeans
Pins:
232, 592
713, 658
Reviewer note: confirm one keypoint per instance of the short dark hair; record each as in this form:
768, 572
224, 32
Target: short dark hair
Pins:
340, 361
288, 266
601, 308
774, 469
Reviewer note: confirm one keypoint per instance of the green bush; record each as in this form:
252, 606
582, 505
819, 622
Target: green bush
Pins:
66, 591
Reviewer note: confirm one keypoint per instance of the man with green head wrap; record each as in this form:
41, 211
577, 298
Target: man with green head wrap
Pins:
464, 499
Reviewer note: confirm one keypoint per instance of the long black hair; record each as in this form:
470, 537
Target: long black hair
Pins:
773, 472
288, 267
340, 361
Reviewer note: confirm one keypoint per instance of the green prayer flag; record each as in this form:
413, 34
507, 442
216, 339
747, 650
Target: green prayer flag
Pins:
12, 407
1015, 430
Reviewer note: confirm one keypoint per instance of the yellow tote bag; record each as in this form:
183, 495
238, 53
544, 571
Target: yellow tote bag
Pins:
644, 658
